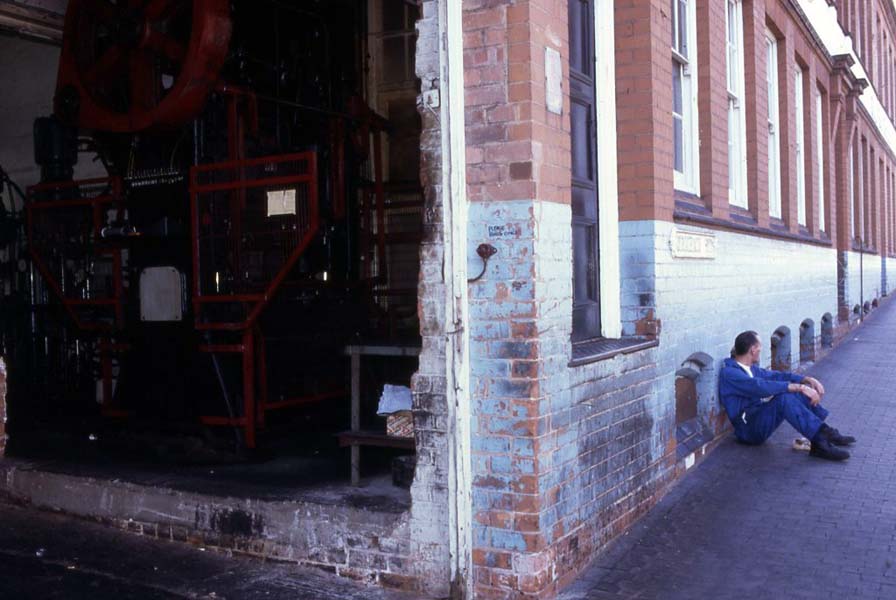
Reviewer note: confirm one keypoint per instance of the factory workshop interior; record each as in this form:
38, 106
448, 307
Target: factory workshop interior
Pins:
213, 274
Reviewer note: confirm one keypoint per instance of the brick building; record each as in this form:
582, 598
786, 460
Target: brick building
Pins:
637, 181
731, 168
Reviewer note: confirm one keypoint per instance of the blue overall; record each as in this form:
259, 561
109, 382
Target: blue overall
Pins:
754, 420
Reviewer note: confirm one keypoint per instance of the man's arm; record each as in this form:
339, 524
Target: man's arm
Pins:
738, 382
778, 375
792, 377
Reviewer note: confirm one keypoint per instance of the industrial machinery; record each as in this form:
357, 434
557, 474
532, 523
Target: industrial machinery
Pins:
252, 217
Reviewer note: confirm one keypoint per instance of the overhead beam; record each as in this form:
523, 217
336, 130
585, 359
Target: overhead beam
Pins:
33, 19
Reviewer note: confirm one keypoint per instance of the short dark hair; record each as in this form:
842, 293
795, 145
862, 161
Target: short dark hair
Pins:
743, 342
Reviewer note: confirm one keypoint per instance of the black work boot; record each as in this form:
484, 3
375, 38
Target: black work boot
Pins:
823, 448
836, 438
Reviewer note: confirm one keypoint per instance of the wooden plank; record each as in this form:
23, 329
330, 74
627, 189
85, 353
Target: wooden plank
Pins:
374, 438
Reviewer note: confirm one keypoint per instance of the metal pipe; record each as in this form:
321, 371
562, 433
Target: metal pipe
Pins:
217, 366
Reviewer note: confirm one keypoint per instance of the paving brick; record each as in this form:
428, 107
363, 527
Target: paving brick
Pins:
771, 522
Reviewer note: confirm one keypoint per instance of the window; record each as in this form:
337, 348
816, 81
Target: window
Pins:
737, 123
774, 143
884, 68
873, 199
850, 182
684, 96
858, 208
800, 142
582, 116
819, 156
398, 41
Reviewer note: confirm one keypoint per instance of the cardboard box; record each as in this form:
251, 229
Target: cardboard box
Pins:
400, 424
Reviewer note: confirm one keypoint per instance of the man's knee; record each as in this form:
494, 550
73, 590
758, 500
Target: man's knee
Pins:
792, 399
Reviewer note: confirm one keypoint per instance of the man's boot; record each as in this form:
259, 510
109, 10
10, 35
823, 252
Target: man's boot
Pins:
835, 437
823, 448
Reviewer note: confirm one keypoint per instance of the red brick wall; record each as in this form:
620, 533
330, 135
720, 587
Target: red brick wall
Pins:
643, 109
516, 149
643, 62
532, 531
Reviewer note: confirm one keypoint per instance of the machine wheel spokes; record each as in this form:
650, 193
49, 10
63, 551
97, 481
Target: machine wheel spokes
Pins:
132, 65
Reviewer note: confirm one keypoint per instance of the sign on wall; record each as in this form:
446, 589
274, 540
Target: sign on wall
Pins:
693, 244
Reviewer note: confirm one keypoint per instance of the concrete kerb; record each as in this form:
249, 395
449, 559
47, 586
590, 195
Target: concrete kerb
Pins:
349, 540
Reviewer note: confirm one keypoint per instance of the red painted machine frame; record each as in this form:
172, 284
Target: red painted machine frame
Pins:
96, 204
251, 346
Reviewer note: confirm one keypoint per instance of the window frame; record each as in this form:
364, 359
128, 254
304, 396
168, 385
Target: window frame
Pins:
688, 178
819, 156
737, 121
799, 145
859, 207
774, 125
582, 82
851, 182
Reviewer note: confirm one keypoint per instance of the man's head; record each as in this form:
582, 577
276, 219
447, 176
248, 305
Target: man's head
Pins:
747, 347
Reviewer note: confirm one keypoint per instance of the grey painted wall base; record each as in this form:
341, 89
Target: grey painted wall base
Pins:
348, 538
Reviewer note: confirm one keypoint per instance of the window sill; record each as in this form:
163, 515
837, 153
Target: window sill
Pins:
744, 224
592, 351
742, 215
689, 202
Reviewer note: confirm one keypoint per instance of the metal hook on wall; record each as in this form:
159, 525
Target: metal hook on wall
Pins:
485, 252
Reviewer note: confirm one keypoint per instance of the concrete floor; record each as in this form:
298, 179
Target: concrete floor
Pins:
294, 507
48, 556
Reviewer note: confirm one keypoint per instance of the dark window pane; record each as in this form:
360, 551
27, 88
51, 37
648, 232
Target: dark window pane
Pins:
394, 67
583, 203
576, 60
683, 28
393, 15
410, 74
413, 15
676, 88
581, 46
580, 125
679, 144
583, 263
586, 310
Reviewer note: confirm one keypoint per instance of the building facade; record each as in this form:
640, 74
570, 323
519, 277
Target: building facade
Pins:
614, 189
714, 167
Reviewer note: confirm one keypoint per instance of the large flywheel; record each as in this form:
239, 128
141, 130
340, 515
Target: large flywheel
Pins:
131, 65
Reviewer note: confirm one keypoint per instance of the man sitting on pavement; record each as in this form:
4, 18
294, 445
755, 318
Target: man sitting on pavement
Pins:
758, 400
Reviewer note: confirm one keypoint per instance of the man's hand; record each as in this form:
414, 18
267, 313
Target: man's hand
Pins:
814, 384
809, 392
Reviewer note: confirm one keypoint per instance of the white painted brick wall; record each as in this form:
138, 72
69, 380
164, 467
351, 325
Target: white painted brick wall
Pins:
553, 268
891, 275
752, 283
867, 273
28, 72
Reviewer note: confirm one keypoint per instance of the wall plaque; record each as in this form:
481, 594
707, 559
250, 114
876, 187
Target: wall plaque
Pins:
692, 244
553, 71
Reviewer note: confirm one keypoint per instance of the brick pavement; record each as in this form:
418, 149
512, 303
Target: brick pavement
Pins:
772, 523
